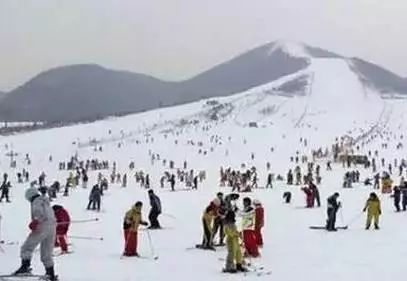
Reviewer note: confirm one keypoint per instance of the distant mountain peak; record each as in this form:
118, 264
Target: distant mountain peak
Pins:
290, 47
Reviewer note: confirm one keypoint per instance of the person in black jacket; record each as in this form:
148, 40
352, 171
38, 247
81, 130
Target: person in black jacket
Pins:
155, 210
333, 207
315, 191
218, 222
5, 190
397, 196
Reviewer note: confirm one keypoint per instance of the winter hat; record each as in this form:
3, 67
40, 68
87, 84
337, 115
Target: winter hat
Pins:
216, 202
256, 202
30, 193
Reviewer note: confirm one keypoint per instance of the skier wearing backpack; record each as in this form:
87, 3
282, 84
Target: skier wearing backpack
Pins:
42, 228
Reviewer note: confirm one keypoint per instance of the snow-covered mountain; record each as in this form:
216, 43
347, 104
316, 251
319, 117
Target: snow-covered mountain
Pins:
89, 92
320, 102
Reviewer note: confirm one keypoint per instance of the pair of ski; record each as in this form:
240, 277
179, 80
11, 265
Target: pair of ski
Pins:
24, 277
2, 242
324, 227
251, 270
153, 258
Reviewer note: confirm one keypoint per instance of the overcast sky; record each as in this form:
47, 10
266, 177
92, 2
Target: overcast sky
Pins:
176, 39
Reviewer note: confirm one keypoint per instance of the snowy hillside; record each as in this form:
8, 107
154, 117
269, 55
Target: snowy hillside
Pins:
320, 103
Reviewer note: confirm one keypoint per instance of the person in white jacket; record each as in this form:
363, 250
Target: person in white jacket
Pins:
248, 228
42, 226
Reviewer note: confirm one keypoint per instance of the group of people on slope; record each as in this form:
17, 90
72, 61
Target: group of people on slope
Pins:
220, 215
372, 207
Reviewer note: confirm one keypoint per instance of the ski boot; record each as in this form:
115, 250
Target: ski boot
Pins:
24, 269
241, 268
376, 226
50, 274
229, 270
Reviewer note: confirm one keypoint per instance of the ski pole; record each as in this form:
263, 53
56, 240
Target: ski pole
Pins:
78, 221
355, 218
341, 214
85, 237
1, 249
169, 215
151, 245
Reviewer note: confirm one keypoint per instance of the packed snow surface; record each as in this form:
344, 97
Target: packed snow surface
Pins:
335, 104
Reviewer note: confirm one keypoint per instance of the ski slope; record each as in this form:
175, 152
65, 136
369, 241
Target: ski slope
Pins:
336, 104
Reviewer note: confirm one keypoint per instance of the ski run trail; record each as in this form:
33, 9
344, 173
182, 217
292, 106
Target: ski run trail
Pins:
336, 103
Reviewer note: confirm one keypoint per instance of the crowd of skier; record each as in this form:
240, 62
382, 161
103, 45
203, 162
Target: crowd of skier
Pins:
226, 221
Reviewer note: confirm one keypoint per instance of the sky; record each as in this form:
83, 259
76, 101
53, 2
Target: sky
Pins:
177, 39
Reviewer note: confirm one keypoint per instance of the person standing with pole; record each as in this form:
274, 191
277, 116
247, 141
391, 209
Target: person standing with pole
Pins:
42, 228
132, 221
63, 222
333, 207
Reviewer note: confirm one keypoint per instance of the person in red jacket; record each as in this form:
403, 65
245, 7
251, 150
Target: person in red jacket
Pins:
309, 196
63, 222
259, 221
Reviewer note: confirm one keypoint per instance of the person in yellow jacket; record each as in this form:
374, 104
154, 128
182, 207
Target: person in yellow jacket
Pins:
132, 221
234, 259
373, 210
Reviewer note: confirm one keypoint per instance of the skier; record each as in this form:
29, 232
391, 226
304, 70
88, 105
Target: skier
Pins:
132, 220
315, 193
95, 198
42, 227
269, 181
290, 177
403, 189
155, 210
5, 190
63, 222
172, 182
309, 197
234, 259
207, 222
218, 221
124, 182
248, 228
259, 221
373, 210
397, 196
333, 207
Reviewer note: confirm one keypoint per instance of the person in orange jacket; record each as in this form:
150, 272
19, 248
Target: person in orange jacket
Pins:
259, 221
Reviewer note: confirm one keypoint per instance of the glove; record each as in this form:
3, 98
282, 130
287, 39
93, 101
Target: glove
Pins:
34, 225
